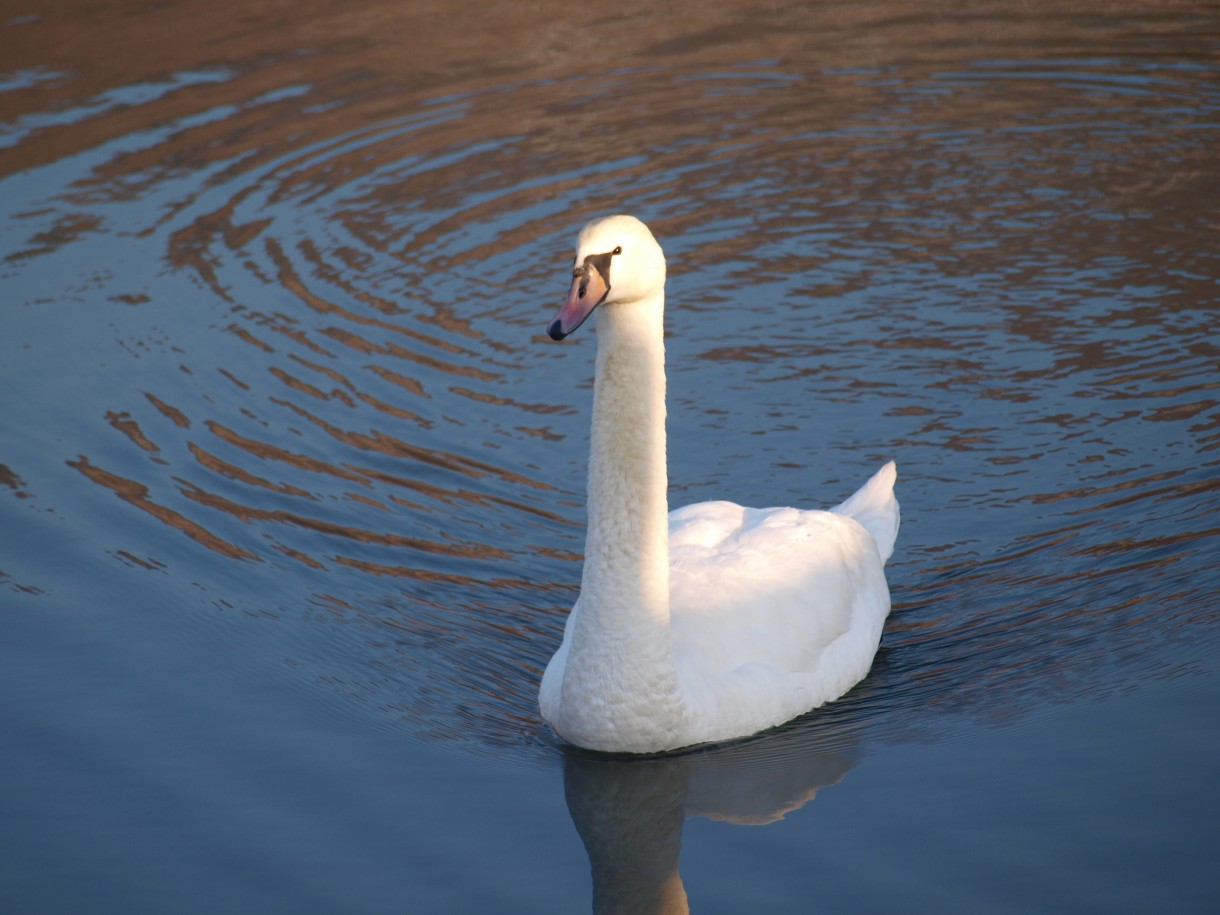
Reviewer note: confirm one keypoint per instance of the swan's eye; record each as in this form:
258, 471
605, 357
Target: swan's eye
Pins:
617, 250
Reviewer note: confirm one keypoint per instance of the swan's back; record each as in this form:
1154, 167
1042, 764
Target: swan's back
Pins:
776, 611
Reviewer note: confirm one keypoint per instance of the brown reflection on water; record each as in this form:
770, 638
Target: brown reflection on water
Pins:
224, 468
136, 494
343, 180
13, 482
451, 365
364, 64
819, 128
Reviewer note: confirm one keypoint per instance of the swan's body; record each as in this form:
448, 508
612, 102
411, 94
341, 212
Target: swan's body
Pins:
713, 621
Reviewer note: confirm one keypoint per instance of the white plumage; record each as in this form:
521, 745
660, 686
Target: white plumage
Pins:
714, 621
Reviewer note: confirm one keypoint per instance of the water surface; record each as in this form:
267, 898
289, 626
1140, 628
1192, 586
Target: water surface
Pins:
292, 481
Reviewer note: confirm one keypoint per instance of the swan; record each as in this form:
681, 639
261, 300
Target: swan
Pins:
714, 621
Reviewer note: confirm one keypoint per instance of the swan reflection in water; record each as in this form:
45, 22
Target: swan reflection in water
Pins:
630, 810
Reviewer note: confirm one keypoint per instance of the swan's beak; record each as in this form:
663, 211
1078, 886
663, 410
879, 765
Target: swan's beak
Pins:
588, 290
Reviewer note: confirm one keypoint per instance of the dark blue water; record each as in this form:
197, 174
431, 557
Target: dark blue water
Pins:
291, 481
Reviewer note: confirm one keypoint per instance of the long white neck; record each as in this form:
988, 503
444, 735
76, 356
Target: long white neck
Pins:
627, 546
621, 669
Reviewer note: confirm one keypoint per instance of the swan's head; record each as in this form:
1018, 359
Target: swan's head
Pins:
617, 260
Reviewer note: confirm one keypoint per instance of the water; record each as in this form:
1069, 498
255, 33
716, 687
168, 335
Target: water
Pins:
292, 481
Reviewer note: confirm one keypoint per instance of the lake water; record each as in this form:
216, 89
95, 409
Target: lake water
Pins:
291, 480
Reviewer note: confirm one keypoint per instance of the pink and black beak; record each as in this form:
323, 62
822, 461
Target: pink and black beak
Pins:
590, 286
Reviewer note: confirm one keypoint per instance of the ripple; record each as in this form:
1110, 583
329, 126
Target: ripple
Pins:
327, 299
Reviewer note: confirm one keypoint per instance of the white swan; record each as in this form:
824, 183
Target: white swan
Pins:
714, 621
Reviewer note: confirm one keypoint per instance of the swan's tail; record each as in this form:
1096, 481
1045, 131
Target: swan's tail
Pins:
874, 506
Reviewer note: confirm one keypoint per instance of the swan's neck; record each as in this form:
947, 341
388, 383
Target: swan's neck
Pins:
626, 571
621, 671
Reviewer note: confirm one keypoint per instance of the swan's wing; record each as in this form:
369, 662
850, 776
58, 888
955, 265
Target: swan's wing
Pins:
775, 586
780, 586
772, 611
